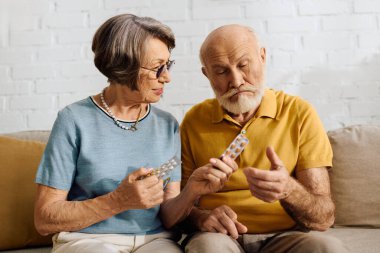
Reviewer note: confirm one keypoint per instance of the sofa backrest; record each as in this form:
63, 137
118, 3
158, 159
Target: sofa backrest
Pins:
35, 135
355, 176
20, 155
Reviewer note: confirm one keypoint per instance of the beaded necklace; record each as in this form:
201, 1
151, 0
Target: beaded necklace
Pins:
132, 127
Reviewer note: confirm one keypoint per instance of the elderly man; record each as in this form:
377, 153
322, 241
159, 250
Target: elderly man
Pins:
280, 193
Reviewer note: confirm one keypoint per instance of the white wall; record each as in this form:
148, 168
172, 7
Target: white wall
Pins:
326, 51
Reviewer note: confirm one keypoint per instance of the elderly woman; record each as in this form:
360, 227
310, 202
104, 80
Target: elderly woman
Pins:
94, 188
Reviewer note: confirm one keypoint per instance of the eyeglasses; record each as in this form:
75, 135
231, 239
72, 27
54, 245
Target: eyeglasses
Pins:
161, 68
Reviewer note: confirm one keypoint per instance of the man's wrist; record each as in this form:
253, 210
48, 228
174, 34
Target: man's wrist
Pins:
290, 188
197, 216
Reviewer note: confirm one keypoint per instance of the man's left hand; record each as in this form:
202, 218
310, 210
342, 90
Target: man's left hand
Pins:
270, 185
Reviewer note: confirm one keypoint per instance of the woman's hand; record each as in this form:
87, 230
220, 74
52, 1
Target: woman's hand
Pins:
135, 193
212, 176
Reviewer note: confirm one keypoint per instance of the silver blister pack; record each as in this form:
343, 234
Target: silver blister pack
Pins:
236, 147
166, 167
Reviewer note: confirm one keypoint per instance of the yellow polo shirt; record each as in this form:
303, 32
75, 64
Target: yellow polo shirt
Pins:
287, 123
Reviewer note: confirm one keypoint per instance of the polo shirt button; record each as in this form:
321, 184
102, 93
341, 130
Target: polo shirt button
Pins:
243, 131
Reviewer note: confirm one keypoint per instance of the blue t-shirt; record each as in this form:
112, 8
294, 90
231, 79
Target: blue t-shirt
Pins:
88, 155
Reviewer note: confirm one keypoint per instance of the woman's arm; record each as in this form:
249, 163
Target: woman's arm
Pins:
176, 205
54, 213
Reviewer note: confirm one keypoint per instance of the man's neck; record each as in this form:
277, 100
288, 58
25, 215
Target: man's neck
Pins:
243, 118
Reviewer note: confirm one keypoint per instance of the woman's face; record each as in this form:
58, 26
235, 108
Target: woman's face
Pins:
150, 87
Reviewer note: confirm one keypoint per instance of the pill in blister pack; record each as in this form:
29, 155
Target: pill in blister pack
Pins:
236, 146
165, 168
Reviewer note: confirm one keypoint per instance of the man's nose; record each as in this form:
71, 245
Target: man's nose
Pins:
236, 79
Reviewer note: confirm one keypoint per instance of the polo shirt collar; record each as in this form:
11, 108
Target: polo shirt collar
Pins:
268, 108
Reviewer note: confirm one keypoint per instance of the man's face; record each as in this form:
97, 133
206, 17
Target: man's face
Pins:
236, 71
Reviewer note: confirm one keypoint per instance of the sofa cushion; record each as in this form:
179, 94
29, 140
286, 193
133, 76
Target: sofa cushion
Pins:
357, 239
19, 162
355, 175
34, 135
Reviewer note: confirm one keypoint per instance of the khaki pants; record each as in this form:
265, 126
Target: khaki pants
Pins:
66, 242
286, 242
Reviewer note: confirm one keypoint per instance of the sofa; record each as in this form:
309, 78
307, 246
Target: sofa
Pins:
355, 185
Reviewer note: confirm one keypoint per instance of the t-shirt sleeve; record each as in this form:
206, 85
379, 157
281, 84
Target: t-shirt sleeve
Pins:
315, 149
58, 164
188, 164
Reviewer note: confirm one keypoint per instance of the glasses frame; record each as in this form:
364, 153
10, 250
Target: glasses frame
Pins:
161, 68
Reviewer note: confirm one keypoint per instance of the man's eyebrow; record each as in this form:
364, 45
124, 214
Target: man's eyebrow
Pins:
218, 65
243, 58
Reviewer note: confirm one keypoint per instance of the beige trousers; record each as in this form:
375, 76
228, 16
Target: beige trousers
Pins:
72, 242
286, 242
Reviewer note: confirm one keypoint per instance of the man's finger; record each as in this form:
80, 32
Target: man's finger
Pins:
258, 174
213, 225
240, 227
273, 158
229, 225
230, 213
272, 186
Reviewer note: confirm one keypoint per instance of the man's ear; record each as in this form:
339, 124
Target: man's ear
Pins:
263, 54
204, 71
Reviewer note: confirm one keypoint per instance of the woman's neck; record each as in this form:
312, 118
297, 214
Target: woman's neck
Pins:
120, 101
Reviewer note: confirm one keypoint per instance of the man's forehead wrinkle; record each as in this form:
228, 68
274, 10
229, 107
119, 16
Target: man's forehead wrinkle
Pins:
233, 52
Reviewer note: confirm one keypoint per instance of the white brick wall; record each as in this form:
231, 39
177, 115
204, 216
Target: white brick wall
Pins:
326, 51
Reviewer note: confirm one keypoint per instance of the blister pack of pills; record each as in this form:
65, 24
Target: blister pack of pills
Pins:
236, 147
165, 168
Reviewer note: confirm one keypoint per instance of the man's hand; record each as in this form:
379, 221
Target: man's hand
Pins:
270, 185
133, 193
212, 176
221, 220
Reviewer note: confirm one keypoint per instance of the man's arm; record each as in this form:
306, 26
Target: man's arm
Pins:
306, 198
310, 202
206, 179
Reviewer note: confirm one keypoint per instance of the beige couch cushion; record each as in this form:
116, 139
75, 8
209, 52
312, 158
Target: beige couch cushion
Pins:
358, 239
19, 160
355, 176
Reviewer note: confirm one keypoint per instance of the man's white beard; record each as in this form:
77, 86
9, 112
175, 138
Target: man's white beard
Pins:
245, 103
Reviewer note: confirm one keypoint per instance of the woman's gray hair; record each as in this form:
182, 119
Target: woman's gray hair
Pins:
119, 46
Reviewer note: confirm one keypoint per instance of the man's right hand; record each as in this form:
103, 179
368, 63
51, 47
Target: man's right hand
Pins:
221, 220
133, 193
211, 177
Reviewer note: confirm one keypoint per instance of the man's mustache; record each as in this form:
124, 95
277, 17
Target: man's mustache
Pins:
235, 91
